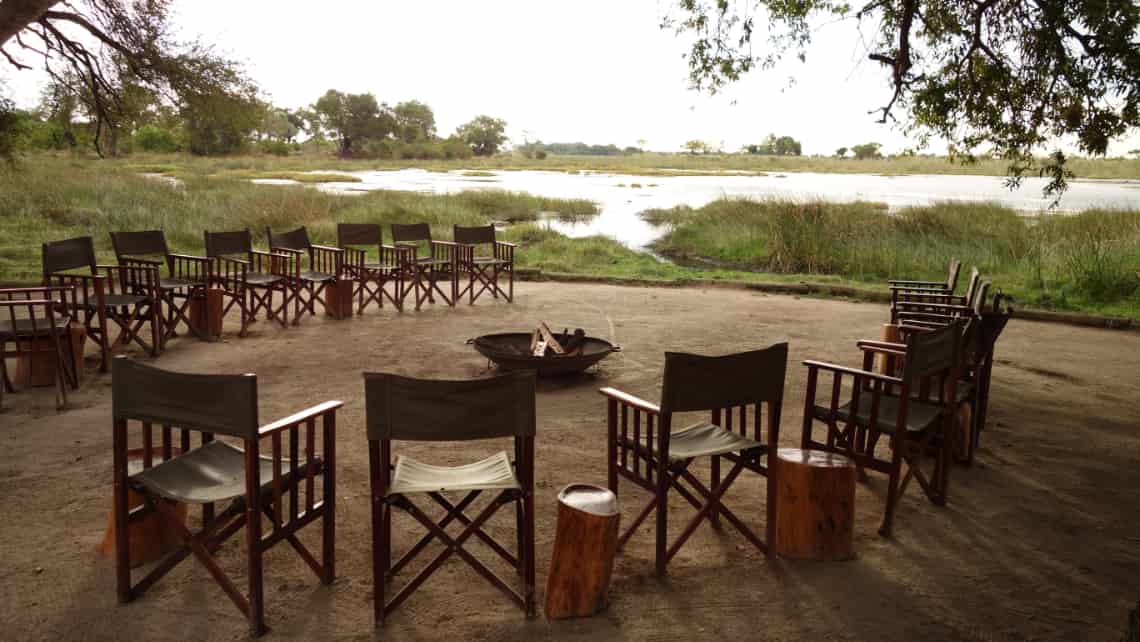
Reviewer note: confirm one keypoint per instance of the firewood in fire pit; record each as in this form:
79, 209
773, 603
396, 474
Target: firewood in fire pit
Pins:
574, 343
551, 342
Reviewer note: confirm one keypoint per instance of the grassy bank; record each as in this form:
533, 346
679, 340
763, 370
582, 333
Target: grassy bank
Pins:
1085, 262
647, 164
48, 200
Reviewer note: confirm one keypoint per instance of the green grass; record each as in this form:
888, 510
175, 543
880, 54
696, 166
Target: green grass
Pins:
478, 173
46, 200
1086, 262
308, 177
647, 164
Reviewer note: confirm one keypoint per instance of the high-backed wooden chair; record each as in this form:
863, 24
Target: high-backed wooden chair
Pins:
945, 287
914, 411
186, 275
482, 269
400, 408
427, 271
127, 295
656, 457
250, 277
373, 275
940, 314
35, 320
255, 487
325, 266
918, 301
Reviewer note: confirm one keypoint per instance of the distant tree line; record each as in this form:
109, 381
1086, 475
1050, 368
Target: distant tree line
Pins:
861, 152
776, 146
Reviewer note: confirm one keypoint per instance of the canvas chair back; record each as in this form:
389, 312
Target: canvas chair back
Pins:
932, 353
350, 234
474, 235
431, 410
297, 239
60, 256
695, 382
952, 274
134, 244
223, 404
972, 287
410, 232
229, 243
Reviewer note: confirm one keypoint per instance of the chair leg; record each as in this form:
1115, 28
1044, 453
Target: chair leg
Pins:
121, 512
714, 473
528, 540
520, 536
661, 556
256, 577
892, 490
381, 557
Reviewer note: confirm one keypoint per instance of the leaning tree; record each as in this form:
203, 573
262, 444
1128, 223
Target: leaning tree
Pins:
100, 47
1007, 77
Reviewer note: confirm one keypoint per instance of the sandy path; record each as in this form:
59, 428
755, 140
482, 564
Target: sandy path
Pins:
1040, 539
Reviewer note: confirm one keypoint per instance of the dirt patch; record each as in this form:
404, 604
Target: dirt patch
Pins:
1038, 540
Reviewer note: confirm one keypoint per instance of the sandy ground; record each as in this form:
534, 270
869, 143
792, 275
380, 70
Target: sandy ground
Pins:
1040, 540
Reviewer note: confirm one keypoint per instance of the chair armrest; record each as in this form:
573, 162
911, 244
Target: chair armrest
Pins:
445, 243
916, 284
506, 244
137, 260
285, 250
630, 400
326, 248
189, 257
305, 415
882, 347
856, 372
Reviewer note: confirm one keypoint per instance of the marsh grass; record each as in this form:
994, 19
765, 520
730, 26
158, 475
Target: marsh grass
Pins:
1087, 261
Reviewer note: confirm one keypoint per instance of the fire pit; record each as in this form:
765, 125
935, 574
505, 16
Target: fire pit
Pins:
537, 350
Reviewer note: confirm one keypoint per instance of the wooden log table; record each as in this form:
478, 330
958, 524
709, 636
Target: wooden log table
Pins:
339, 298
36, 364
585, 542
815, 504
151, 538
206, 308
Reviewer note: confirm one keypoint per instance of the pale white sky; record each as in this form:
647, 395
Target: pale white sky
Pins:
591, 71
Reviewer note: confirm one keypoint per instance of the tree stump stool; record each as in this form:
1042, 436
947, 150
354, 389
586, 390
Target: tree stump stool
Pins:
338, 299
36, 364
890, 335
206, 307
150, 537
815, 504
585, 543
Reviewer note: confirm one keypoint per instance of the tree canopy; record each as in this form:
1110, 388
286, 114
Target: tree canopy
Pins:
484, 134
1003, 77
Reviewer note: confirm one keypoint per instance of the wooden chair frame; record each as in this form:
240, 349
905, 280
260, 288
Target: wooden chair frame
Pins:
946, 287
188, 276
424, 273
917, 301
326, 265
921, 377
372, 278
381, 468
635, 457
235, 261
259, 500
99, 291
484, 271
40, 306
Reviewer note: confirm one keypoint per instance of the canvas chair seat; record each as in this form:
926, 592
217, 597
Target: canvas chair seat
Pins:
920, 416
317, 277
261, 279
213, 473
704, 439
494, 472
380, 267
488, 260
23, 327
171, 283
116, 300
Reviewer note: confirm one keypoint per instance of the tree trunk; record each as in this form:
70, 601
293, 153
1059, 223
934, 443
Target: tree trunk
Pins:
15, 15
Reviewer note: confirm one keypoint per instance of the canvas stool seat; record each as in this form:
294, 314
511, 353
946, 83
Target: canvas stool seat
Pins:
492, 473
213, 473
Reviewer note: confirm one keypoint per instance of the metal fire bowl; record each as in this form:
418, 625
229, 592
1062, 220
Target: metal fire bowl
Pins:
510, 351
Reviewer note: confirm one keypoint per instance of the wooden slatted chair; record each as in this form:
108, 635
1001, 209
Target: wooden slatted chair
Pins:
373, 276
127, 295
249, 277
325, 266
426, 272
979, 340
483, 270
918, 301
399, 408
187, 276
914, 411
945, 287
36, 320
934, 315
658, 459
218, 471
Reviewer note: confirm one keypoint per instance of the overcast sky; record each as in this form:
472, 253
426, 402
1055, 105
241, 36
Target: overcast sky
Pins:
590, 71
